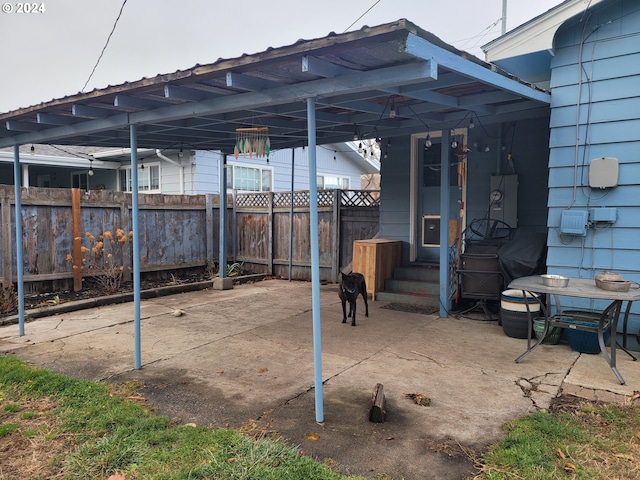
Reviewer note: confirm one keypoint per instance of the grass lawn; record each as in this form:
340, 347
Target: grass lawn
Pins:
52, 426
581, 440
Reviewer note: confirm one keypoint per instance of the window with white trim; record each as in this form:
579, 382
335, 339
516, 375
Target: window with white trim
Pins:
246, 178
148, 178
332, 182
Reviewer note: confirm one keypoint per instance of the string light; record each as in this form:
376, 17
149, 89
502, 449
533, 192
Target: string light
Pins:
90, 172
392, 112
427, 142
33, 149
454, 143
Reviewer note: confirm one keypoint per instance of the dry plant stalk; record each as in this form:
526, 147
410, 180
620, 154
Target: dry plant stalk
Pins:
103, 259
8, 299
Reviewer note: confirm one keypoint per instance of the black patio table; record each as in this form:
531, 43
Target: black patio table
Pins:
588, 321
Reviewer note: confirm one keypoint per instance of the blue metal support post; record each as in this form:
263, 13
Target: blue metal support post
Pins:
445, 195
315, 257
222, 188
19, 245
136, 245
293, 166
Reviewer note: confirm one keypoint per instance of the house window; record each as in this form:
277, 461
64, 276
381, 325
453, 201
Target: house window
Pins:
80, 180
249, 179
43, 181
148, 178
332, 182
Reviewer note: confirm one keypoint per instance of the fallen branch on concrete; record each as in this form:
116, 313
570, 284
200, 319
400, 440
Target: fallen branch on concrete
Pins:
430, 358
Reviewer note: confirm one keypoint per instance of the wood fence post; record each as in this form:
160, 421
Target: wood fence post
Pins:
208, 227
77, 239
7, 246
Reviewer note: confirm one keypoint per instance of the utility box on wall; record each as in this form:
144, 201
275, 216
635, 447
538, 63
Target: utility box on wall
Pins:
503, 199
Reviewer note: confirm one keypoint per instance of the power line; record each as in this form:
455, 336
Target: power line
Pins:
358, 19
480, 35
105, 46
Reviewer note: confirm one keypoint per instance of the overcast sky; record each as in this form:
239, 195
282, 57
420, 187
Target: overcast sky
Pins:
51, 54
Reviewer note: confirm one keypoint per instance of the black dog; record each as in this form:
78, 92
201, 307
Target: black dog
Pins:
351, 285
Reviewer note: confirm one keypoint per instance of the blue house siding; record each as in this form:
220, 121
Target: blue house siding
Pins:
529, 148
203, 173
395, 193
605, 83
530, 155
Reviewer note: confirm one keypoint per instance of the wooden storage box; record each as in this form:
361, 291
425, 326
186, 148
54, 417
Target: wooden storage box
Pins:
376, 259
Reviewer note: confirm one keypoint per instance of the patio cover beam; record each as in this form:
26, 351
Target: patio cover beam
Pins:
380, 79
421, 48
186, 93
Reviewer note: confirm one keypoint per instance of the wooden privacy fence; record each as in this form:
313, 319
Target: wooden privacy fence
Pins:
176, 231
269, 239
182, 231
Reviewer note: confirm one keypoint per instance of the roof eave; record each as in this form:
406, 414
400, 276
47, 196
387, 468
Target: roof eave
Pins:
537, 34
49, 160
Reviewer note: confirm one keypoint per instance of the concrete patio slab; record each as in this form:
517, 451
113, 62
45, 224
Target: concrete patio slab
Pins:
244, 358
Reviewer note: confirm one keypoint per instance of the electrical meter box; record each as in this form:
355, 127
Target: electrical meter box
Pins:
503, 199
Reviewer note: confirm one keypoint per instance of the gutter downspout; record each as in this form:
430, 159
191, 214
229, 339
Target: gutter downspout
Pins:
25, 176
159, 154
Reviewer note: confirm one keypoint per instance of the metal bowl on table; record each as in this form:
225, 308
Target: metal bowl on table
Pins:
612, 282
555, 280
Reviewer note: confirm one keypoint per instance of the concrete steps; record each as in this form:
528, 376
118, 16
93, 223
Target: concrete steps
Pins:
414, 285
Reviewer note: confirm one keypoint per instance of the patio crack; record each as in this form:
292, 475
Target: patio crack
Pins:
542, 389
192, 348
300, 394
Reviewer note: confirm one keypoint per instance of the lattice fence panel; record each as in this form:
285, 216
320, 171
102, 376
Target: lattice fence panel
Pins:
282, 199
325, 198
247, 200
360, 198
348, 198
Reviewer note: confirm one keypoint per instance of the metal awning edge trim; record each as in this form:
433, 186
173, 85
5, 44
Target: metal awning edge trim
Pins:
420, 48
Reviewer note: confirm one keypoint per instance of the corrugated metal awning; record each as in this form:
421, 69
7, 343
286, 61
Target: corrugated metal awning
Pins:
356, 78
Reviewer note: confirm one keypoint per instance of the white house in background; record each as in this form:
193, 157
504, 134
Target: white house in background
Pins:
185, 171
